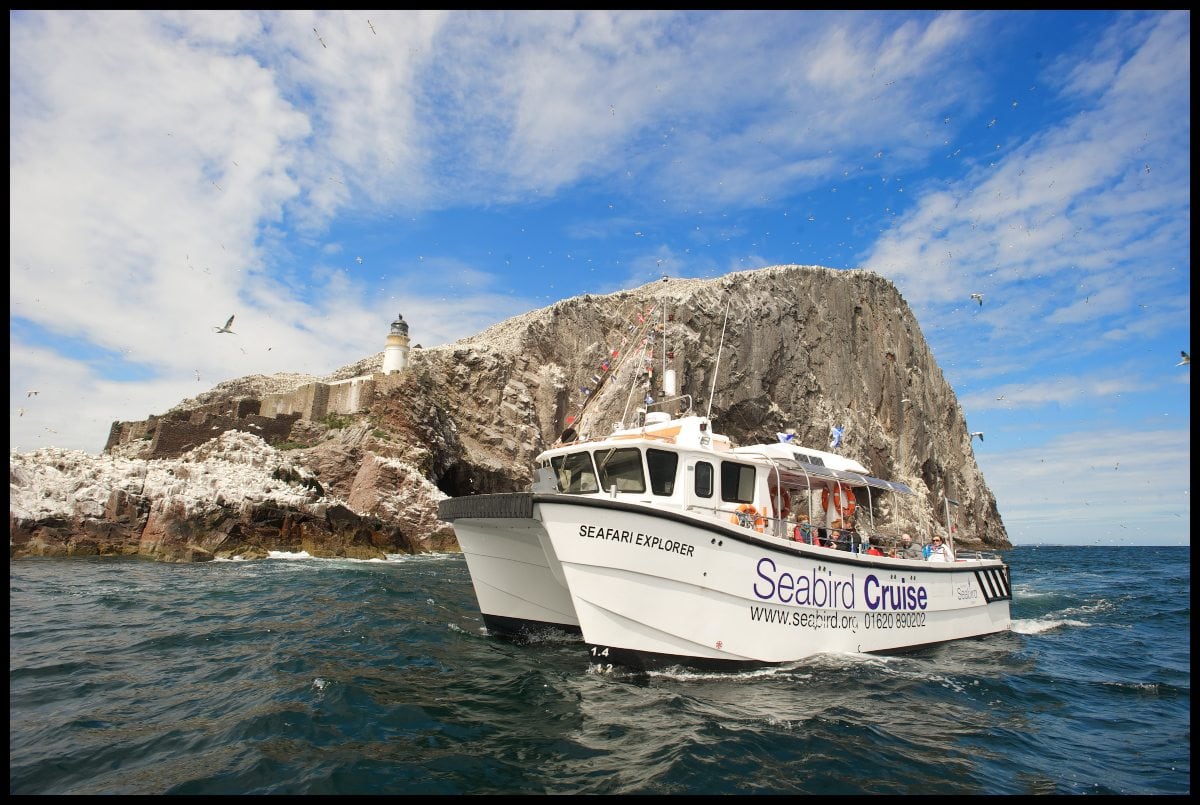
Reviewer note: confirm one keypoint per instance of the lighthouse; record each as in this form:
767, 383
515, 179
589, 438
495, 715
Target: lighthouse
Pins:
395, 354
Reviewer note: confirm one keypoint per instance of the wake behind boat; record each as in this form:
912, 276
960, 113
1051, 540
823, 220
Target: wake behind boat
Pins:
664, 544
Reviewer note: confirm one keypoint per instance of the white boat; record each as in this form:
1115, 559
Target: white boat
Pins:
663, 544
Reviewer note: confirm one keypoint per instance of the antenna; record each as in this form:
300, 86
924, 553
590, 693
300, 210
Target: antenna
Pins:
717, 365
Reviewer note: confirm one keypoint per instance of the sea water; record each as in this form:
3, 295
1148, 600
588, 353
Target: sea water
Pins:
294, 675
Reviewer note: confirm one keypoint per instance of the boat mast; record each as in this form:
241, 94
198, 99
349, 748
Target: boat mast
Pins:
664, 346
949, 530
716, 366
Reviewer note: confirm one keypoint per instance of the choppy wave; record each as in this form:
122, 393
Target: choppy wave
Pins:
1041, 625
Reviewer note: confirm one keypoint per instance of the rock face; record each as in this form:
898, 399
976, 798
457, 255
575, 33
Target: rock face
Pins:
765, 351
234, 496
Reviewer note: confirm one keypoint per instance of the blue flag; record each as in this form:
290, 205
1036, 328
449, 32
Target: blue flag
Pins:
835, 436
786, 437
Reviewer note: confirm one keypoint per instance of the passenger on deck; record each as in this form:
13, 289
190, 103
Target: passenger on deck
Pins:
854, 540
869, 548
834, 540
849, 540
803, 532
909, 550
938, 552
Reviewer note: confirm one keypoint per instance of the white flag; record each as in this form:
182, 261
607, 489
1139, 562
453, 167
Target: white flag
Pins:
835, 436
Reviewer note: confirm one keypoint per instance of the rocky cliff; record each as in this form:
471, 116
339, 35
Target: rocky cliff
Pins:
764, 351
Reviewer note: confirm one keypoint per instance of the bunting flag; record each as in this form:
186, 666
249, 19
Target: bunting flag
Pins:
637, 338
835, 436
649, 400
786, 437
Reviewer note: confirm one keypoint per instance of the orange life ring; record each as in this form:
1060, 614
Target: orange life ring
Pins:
746, 514
785, 501
843, 501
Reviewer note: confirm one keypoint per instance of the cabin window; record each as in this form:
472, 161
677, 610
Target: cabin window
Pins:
704, 479
621, 467
575, 473
662, 464
816, 461
737, 482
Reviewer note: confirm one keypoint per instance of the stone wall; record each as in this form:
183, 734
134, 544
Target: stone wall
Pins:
174, 434
315, 401
350, 396
174, 437
270, 418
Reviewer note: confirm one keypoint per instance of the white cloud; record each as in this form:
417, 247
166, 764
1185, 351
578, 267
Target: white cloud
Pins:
1112, 487
168, 169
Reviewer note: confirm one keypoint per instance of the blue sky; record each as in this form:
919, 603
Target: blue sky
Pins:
316, 173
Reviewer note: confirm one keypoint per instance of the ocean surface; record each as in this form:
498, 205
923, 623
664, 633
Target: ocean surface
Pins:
315, 676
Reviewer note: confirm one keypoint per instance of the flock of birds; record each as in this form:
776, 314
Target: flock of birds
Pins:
1184, 360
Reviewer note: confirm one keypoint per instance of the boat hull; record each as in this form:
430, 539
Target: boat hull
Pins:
517, 582
661, 588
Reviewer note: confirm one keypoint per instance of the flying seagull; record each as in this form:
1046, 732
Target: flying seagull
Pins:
1184, 360
978, 297
226, 328
31, 393
978, 433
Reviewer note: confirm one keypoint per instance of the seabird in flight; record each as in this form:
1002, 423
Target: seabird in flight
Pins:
226, 328
978, 297
1184, 360
978, 433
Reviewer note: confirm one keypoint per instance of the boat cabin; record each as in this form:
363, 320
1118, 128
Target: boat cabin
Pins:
681, 464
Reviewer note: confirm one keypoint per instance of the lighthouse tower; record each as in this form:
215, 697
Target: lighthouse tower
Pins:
395, 354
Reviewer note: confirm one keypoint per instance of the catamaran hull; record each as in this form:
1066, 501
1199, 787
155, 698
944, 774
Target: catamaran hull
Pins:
664, 588
520, 590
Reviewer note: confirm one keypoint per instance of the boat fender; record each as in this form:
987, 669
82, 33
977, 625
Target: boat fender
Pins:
785, 502
747, 516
